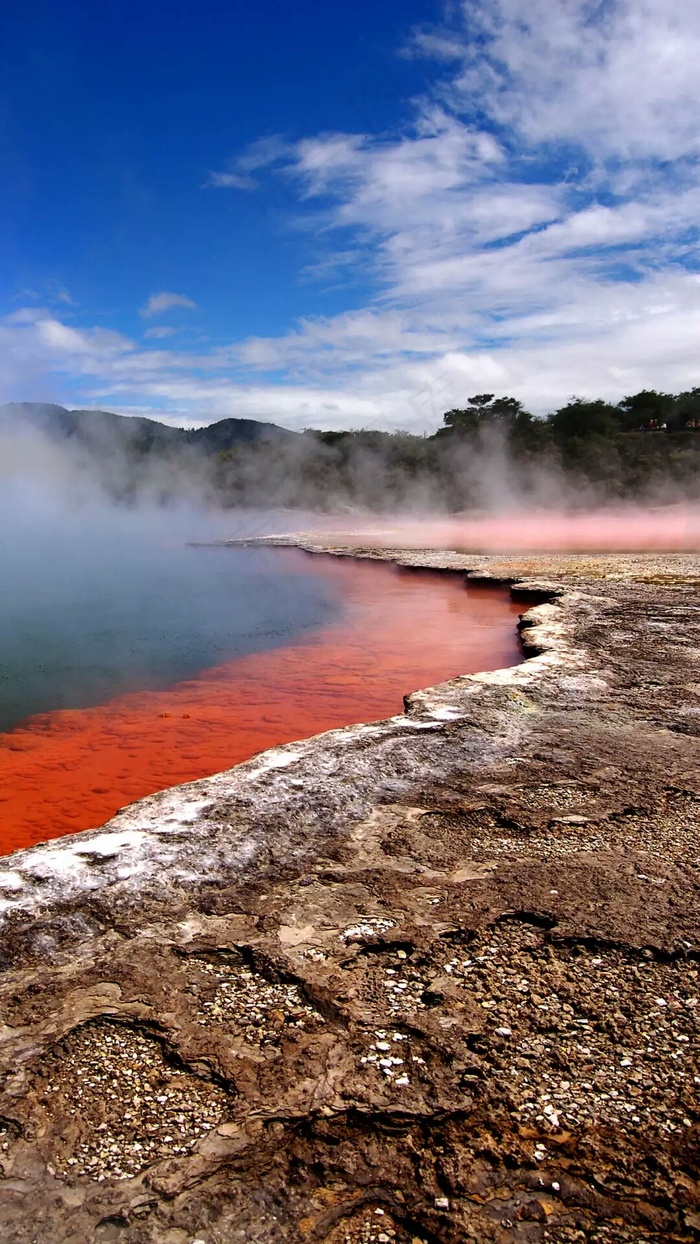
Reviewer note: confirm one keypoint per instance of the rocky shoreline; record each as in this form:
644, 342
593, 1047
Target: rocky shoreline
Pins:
430, 979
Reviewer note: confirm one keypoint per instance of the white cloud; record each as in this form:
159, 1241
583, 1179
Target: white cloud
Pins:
618, 78
158, 303
262, 154
356, 374
533, 230
160, 331
232, 181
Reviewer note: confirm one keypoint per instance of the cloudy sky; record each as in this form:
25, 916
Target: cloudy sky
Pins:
348, 216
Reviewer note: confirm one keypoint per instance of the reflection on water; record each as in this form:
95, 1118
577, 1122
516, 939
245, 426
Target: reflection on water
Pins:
398, 631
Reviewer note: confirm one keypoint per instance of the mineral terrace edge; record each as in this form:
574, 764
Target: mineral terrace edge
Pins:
141, 850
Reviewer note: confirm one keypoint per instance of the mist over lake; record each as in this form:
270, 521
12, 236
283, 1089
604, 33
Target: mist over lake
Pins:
98, 601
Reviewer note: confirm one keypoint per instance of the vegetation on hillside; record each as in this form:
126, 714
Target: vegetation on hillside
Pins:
492, 451
489, 451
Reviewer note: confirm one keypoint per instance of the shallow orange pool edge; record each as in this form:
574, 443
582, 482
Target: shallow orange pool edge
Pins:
71, 770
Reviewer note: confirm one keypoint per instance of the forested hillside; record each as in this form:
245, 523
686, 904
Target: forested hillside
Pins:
490, 451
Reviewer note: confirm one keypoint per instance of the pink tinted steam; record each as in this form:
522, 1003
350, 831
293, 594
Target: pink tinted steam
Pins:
671, 529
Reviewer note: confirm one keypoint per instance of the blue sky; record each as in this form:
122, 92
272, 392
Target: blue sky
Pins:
347, 216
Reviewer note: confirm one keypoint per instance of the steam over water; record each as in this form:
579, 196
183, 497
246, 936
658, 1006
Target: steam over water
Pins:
667, 528
99, 601
131, 661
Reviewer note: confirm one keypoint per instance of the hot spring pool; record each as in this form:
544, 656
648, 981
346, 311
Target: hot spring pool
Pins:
130, 662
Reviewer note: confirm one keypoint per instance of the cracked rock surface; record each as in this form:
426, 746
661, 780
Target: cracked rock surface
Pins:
428, 980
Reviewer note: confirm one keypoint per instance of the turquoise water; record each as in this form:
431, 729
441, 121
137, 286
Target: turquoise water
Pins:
97, 602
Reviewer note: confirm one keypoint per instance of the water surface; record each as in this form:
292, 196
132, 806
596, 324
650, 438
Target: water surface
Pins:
153, 664
97, 602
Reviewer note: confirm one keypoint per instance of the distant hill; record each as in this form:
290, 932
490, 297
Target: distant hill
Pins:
101, 431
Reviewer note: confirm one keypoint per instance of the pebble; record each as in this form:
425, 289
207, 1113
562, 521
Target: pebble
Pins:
314, 954
132, 1108
374, 1227
671, 833
367, 926
377, 1054
591, 1041
258, 1009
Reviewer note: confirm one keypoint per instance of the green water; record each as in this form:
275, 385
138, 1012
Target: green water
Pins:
98, 602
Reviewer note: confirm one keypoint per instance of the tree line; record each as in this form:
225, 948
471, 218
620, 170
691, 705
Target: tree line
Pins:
488, 452
645, 446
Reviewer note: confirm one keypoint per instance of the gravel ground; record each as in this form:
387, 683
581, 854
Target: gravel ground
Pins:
579, 1036
259, 1010
126, 1105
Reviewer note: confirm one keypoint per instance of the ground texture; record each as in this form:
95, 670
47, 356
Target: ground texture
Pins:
429, 980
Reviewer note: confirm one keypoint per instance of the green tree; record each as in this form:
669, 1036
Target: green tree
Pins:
482, 410
687, 410
648, 407
581, 420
